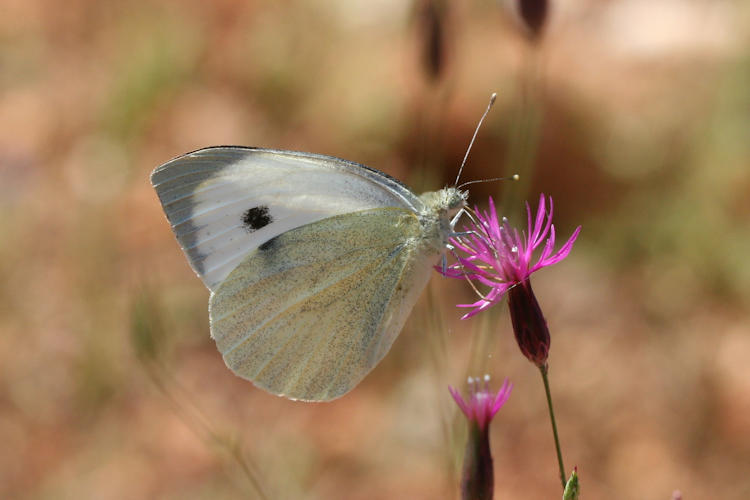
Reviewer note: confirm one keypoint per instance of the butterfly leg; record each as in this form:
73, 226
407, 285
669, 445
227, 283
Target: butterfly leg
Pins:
455, 218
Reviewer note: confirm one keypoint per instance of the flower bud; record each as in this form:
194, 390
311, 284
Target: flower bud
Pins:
534, 14
431, 19
572, 488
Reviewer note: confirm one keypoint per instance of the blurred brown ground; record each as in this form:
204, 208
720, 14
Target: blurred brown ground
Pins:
634, 115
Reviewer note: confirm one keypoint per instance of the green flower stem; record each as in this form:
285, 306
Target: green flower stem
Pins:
544, 369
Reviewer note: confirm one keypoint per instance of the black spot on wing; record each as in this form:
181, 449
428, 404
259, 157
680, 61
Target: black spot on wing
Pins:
256, 218
268, 245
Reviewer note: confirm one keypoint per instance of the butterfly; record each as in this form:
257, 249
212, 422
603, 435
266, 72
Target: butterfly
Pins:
313, 262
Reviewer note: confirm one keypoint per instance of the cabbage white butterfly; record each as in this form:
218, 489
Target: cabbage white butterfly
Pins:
313, 262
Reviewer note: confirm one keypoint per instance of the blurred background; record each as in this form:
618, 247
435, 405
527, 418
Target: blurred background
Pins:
634, 115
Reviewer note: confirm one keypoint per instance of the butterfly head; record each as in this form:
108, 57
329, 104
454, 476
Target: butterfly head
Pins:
441, 212
445, 203
454, 200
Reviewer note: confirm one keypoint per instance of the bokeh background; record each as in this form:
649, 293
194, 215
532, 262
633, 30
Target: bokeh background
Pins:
633, 114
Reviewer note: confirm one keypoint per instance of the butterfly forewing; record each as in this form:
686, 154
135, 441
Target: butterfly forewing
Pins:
309, 313
224, 202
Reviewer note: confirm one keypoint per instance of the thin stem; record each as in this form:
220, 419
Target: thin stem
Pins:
200, 425
543, 369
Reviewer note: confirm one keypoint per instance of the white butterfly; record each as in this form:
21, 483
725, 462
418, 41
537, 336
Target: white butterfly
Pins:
313, 262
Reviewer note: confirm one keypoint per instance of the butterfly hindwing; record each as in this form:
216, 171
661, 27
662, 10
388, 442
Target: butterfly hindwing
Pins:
224, 202
310, 312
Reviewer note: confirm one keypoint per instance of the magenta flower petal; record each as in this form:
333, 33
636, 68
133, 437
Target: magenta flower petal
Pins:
500, 257
482, 404
463, 405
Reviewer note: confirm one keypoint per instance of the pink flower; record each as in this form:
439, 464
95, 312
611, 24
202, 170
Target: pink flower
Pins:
502, 258
478, 478
482, 404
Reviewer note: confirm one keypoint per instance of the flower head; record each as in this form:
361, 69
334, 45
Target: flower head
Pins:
482, 403
501, 257
478, 479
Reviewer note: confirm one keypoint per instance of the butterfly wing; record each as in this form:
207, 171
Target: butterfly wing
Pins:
310, 312
223, 202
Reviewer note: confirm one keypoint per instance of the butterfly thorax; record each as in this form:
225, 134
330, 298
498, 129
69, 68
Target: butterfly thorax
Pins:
440, 207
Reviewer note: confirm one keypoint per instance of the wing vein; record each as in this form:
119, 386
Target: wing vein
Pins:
216, 184
315, 350
342, 362
276, 316
344, 255
178, 172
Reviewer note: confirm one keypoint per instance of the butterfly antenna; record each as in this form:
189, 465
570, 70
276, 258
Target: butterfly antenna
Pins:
489, 106
513, 177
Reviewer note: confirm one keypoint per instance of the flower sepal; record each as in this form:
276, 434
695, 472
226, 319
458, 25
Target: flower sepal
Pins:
529, 325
